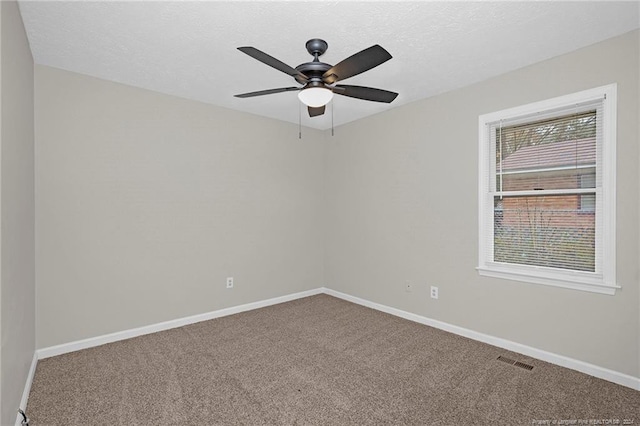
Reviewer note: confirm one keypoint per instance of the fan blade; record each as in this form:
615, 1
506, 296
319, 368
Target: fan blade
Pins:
356, 64
266, 92
366, 93
314, 112
272, 62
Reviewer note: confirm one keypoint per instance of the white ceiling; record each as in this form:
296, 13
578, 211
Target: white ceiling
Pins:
188, 49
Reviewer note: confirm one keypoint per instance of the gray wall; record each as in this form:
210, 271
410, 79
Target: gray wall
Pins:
145, 203
402, 205
17, 279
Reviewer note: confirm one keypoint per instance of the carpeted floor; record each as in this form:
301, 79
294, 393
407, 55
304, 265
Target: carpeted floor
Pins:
314, 361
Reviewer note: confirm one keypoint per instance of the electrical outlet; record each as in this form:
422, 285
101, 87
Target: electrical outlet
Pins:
408, 287
434, 292
229, 282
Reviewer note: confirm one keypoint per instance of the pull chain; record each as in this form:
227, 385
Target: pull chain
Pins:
332, 107
299, 121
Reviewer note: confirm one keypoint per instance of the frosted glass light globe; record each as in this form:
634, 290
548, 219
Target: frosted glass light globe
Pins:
315, 96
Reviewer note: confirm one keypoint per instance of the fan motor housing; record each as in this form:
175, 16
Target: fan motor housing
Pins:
313, 70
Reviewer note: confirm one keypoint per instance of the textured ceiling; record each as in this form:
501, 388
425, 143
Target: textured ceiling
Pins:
188, 49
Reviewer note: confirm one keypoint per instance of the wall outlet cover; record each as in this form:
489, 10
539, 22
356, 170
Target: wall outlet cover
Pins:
434, 292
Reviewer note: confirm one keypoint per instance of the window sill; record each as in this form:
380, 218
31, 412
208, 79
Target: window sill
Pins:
570, 280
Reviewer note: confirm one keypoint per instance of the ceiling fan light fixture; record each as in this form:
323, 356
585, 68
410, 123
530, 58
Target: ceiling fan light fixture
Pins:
315, 96
318, 79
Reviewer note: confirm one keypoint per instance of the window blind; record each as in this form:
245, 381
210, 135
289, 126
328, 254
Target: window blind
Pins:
545, 187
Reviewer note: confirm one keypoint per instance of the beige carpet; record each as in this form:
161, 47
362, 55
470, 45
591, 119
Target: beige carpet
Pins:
313, 361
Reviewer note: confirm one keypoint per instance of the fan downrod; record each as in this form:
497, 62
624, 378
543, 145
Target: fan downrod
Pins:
316, 47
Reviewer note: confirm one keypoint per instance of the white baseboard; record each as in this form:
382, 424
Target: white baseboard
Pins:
27, 388
153, 328
563, 361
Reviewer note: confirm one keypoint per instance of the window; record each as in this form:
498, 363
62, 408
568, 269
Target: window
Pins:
547, 192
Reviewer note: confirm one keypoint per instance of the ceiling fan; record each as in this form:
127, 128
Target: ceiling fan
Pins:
319, 80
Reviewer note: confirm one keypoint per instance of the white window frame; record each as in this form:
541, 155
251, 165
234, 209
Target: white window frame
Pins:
603, 280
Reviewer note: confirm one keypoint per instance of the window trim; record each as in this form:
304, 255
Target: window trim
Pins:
603, 281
